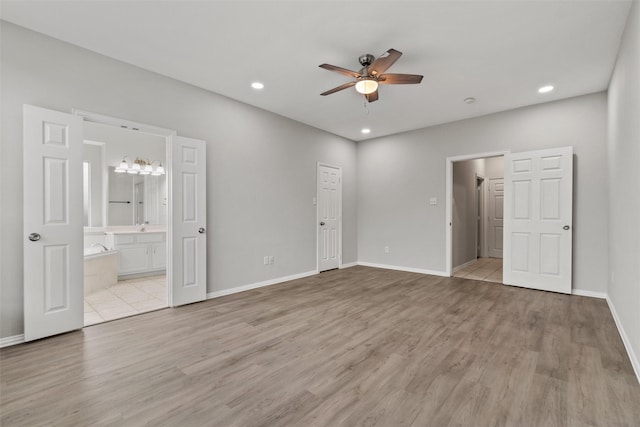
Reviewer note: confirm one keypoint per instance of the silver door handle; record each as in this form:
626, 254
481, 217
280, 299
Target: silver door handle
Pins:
321, 222
201, 230
566, 227
34, 237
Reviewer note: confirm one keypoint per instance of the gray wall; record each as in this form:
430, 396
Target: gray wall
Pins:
398, 174
261, 176
464, 218
624, 183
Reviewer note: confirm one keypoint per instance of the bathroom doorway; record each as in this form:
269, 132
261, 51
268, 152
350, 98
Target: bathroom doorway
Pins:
125, 201
53, 220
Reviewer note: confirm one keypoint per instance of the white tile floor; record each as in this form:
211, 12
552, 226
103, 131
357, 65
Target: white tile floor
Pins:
485, 269
127, 298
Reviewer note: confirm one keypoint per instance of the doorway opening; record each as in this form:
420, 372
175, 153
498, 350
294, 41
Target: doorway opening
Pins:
125, 221
475, 199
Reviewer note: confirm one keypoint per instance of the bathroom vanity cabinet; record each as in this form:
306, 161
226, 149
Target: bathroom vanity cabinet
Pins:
140, 252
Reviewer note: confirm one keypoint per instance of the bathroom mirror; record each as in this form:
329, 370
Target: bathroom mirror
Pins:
94, 184
137, 199
119, 198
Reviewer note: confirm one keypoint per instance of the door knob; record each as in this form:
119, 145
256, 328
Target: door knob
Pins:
201, 230
34, 237
566, 227
321, 222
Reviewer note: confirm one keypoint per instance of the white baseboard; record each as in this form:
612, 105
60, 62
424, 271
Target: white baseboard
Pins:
269, 282
466, 264
349, 265
625, 339
407, 269
7, 341
585, 293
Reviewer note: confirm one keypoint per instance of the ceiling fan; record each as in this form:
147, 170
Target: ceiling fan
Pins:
371, 75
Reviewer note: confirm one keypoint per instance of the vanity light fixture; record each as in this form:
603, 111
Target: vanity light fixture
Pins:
140, 166
159, 170
122, 168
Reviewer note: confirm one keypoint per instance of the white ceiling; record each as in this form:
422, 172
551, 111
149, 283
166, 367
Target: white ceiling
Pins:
499, 52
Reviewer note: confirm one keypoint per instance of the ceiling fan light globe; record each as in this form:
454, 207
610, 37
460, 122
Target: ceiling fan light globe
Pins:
366, 86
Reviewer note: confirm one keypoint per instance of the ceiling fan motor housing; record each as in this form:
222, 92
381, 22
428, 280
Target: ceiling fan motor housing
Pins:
366, 59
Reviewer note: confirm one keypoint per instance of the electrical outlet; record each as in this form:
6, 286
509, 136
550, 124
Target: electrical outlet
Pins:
272, 259
386, 249
266, 260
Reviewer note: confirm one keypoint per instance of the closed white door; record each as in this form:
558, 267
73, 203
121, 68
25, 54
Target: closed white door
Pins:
329, 217
538, 219
188, 250
495, 218
53, 219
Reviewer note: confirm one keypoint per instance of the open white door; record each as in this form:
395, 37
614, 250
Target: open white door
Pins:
538, 219
188, 244
329, 217
53, 233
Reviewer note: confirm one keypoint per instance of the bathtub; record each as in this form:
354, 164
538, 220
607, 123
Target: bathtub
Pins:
100, 269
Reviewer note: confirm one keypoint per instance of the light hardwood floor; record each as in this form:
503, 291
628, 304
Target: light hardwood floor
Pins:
360, 346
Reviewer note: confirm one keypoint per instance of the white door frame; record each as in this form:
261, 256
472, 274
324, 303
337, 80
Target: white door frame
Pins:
167, 134
318, 217
481, 228
449, 200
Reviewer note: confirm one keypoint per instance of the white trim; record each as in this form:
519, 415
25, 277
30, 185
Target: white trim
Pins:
262, 284
449, 198
591, 294
625, 339
8, 341
466, 264
349, 265
339, 168
407, 269
127, 124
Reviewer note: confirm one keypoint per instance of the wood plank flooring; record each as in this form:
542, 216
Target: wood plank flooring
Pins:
354, 347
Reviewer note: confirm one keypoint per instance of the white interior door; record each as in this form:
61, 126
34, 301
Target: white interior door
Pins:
53, 237
188, 244
495, 217
329, 217
538, 219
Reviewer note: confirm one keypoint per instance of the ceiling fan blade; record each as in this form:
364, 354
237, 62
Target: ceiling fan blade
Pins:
399, 79
384, 61
341, 70
373, 96
339, 88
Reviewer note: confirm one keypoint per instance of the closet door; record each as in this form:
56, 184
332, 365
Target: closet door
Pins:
188, 239
53, 239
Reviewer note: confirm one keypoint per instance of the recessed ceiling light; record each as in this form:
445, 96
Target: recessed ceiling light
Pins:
470, 100
366, 130
545, 89
257, 85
